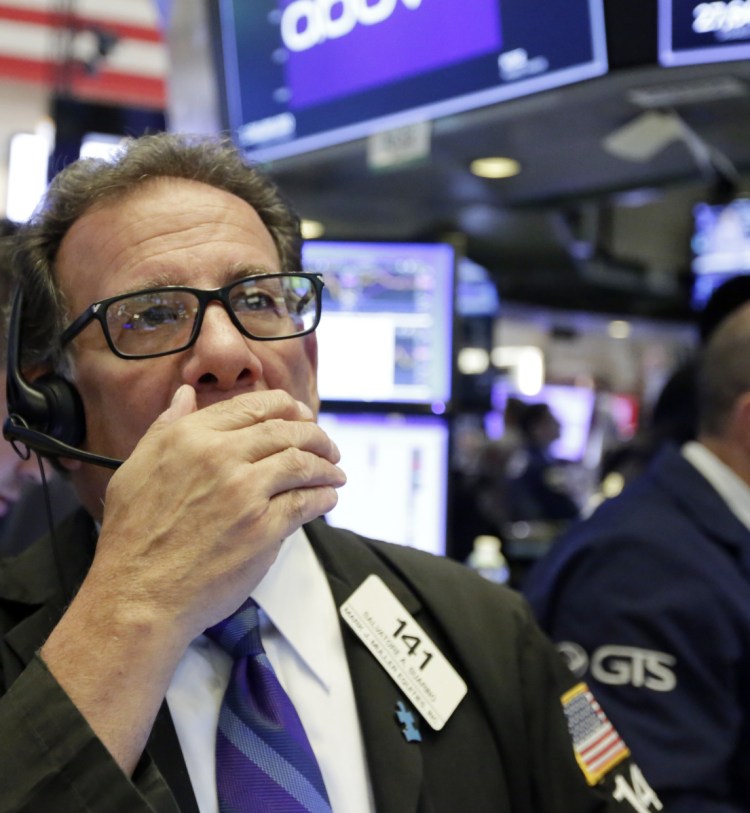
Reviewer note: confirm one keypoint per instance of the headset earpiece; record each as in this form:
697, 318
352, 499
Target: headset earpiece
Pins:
63, 416
47, 414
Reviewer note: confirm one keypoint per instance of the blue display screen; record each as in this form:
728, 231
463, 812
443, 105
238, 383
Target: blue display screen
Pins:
692, 33
720, 246
305, 74
386, 334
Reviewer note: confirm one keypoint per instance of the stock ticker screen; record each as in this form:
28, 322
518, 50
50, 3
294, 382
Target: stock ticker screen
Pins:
300, 75
693, 33
386, 334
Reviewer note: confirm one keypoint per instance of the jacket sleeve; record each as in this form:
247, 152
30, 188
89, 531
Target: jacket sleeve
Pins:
581, 763
658, 643
50, 758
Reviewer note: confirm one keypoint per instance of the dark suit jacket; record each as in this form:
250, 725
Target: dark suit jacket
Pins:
506, 748
27, 520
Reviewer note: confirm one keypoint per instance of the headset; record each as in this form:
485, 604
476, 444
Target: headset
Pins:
45, 415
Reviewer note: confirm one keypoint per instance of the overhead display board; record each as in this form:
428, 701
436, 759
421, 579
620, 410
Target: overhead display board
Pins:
301, 75
693, 33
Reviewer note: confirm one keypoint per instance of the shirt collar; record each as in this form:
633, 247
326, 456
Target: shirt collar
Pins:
296, 598
733, 489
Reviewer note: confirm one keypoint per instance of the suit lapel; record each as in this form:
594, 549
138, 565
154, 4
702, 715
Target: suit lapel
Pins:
395, 765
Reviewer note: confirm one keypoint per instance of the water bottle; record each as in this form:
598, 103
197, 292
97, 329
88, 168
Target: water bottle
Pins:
487, 559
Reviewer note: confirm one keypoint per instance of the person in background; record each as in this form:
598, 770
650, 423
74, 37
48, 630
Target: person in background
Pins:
537, 484
674, 416
199, 589
22, 512
649, 598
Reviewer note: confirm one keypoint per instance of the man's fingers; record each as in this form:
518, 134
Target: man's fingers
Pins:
254, 407
294, 468
183, 403
264, 440
302, 505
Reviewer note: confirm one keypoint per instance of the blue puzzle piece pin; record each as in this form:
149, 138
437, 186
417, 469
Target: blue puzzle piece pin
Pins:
406, 718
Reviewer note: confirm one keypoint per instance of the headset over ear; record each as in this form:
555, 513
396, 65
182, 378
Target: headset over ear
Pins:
47, 414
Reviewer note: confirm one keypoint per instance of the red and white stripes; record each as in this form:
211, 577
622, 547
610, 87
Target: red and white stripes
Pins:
34, 35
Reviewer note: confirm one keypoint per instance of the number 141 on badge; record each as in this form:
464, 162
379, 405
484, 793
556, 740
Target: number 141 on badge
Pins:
404, 650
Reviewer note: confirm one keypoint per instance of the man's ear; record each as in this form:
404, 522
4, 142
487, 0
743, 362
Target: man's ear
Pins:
30, 375
36, 371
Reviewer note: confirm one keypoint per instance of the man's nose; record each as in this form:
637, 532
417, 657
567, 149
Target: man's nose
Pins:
221, 354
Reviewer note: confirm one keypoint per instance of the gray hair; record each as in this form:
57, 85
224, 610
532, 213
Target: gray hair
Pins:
724, 372
87, 182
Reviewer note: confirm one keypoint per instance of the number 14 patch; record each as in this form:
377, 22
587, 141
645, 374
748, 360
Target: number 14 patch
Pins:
599, 749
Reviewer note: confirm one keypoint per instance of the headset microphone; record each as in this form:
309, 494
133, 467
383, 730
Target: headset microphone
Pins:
45, 415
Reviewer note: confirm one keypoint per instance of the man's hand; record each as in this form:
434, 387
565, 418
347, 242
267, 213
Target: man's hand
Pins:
194, 518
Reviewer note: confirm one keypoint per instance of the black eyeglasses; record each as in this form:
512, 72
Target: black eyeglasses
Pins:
160, 321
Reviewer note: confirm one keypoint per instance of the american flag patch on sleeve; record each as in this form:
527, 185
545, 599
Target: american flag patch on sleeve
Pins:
597, 745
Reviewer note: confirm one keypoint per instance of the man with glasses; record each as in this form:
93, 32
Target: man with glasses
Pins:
164, 303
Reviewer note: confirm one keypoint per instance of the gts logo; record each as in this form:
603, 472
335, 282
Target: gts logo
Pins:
307, 23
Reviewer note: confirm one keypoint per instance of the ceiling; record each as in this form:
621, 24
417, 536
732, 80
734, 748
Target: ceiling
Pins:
581, 226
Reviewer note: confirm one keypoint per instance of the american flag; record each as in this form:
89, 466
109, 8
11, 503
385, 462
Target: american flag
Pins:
597, 745
133, 73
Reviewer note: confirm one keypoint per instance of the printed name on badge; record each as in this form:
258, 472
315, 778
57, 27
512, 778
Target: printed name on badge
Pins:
404, 650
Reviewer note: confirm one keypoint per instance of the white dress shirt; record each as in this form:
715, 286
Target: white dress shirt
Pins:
301, 635
733, 489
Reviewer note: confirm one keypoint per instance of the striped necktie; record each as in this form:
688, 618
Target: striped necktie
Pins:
264, 761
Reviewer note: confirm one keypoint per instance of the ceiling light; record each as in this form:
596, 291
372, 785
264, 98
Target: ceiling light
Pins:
473, 360
312, 229
524, 364
495, 167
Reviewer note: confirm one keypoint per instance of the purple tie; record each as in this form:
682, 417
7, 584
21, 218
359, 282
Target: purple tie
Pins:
264, 761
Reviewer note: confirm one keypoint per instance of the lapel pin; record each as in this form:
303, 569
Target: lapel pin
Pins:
408, 722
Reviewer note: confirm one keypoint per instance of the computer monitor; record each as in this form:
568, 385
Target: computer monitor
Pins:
692, 33
300, 75
720, 246
386, 334
397, 469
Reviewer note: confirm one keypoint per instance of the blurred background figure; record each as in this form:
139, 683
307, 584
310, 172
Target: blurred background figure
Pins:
648, 597
537, 482
674, 416
23, 512
490, 486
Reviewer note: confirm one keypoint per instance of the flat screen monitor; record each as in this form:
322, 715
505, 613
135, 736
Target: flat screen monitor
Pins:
397, 470
386, 334
301, 75
720, 246
693, 33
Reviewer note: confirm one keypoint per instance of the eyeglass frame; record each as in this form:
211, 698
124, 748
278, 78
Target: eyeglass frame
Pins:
97, 312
